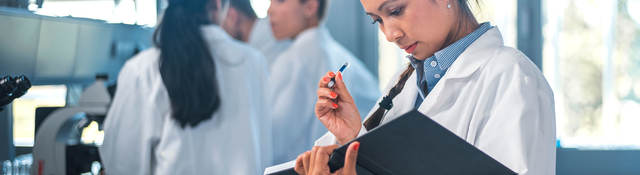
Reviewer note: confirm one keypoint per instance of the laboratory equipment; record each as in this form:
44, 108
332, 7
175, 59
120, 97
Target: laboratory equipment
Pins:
60, 145
12, 88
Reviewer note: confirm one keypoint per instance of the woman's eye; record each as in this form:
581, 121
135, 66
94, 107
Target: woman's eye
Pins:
396, 11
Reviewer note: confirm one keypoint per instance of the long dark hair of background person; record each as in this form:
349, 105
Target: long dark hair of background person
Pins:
186, 64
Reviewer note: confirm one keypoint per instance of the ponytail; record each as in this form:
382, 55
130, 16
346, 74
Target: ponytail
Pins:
186, 64
386, 103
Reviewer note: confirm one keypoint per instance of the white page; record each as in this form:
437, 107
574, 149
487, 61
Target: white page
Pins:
280, 167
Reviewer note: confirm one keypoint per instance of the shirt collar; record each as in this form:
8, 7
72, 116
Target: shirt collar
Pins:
448, 55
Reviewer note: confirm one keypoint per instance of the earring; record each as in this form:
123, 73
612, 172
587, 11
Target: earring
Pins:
449, 5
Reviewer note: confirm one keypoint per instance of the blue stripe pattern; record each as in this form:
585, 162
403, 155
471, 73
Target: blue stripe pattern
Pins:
432, 69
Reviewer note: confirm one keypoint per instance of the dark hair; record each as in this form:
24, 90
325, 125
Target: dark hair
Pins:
463, 19
244, 6
386, 103
186, 64
322, 8
464, 7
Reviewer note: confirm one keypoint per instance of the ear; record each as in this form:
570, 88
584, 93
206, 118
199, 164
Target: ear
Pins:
443, 3
310, 8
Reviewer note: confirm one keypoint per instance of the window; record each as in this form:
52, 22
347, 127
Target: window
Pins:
140, 12
260, 7
501, 13
592, 61
24, 109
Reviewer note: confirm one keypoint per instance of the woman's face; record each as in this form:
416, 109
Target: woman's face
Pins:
287, 18
420, 27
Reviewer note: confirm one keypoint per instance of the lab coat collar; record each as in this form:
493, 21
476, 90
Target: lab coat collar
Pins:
470, 61
218, 41
315, 34
214, 32
476, 55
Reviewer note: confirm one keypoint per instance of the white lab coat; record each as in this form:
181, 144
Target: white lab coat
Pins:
293, 84
142, 138
262, 38
493, 97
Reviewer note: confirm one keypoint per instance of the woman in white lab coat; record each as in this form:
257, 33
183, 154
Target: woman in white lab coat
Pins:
292, 80
462, 76
261, 38
190, 105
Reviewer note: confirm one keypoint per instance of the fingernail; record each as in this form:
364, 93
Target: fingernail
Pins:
335, 105
325, 79
333, 95
332, 74
355, 147
340, 75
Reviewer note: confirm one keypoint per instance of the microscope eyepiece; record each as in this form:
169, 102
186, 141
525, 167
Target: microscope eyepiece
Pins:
22, 85
12, 88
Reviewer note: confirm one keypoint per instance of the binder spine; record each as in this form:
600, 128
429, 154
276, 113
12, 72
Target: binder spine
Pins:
336, 161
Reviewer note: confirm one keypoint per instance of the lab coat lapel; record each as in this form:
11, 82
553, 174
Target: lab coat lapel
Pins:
470, 61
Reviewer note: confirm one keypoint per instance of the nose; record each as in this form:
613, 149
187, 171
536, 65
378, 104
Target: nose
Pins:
393, 34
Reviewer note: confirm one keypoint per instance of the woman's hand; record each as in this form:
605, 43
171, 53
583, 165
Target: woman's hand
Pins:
316, 161
336, 109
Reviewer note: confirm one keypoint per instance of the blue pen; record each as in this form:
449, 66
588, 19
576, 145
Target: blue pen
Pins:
341, 69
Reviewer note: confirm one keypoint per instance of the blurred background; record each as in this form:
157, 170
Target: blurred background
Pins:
589, 51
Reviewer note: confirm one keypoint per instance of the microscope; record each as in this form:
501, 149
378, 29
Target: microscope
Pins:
12, 88
59, 147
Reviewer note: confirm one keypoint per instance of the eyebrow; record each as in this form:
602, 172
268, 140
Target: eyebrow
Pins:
384, 4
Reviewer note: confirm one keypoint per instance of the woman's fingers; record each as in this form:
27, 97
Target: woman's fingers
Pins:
320, 161
324, 81
324, 153
315, 161
351, 159
341, 88
306, 161
299, 168
327, 103
312, 161
327, 93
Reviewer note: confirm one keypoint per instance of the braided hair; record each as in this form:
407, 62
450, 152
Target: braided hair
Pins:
386, 103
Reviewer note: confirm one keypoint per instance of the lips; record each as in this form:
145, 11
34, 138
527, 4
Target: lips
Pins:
411, 48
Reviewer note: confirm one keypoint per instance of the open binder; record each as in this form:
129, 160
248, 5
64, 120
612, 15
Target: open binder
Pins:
412, 144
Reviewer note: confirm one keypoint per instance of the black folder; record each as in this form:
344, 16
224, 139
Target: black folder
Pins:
415, 144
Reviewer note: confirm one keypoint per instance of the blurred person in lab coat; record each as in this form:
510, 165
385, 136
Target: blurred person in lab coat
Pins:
294, 74
461, 75
243, 24
190, 104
